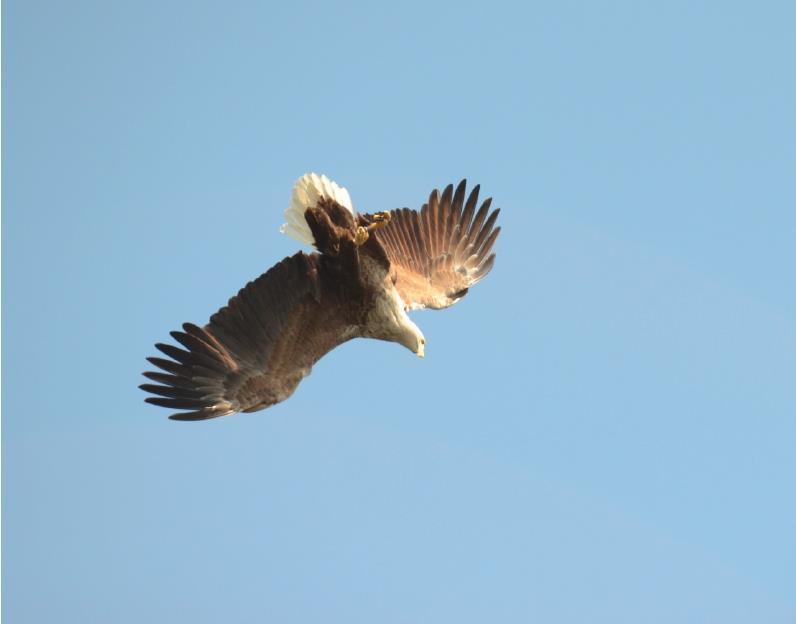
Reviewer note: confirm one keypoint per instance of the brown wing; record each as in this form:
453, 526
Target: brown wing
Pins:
255, 350
439, 252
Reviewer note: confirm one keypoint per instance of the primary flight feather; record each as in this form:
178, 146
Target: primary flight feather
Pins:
368, 270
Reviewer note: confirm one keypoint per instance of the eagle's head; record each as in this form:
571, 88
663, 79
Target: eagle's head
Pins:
421, 347
411, 337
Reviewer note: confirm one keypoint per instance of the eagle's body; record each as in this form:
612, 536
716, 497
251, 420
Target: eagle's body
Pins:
367, 272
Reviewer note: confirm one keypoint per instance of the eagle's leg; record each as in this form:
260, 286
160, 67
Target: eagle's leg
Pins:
361, 236
380, 219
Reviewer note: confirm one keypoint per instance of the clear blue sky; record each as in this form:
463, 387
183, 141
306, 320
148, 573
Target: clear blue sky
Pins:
602, 431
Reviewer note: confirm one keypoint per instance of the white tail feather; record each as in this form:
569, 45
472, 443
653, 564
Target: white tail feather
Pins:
308, 189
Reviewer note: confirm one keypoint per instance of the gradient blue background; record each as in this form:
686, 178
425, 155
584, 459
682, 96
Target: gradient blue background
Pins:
603, 431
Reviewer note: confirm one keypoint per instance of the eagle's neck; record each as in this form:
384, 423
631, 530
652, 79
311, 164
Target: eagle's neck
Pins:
386, 317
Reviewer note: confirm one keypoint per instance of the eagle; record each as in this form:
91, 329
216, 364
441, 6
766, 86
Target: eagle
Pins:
366, 273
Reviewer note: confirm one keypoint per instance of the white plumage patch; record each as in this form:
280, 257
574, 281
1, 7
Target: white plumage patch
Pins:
308, 189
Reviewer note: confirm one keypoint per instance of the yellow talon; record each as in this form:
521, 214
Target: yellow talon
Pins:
380, 219
362, 236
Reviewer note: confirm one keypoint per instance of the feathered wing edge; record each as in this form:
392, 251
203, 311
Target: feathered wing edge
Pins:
205, 375
443, 249
194, 377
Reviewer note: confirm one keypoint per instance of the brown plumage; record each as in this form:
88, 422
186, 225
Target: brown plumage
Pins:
254, 351
439, 252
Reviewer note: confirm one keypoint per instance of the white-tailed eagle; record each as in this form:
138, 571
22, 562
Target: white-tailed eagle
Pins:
368, 270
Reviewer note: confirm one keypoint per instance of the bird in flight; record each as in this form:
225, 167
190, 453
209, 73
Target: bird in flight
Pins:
368, 270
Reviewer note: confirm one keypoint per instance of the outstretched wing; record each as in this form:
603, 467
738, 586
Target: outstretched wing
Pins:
440, 251
255, 350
